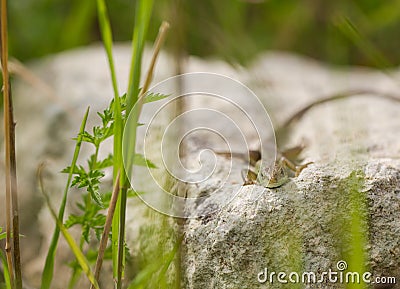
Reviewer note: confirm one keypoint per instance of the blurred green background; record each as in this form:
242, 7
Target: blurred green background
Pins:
362, 32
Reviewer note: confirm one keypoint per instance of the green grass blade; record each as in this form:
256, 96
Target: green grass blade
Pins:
142, 20
80, 257
6, 273
148, 273
130, 135
114, 237
356, 256
74, 279
47, 274
77, 25
366, 46
105, 29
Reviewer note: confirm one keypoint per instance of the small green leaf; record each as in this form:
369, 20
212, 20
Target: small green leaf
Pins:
97, 198
134, 194
140, 160
6, 272
72, 220
4, 235
87, 137
150, 97
91, 181
68, 169
107, 162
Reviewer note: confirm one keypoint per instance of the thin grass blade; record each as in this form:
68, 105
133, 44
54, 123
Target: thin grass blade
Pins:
80, 257
366, 46
6, 273
105, 29
47, 275
148, 273
142, 20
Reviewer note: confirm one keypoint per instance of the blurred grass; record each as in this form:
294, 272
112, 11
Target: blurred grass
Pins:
236, 30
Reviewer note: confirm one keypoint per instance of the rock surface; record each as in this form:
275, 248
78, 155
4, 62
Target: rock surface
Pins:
308, 224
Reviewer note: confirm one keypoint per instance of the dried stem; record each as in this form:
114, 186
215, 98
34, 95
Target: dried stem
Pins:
11, 179
149, 77
107, 227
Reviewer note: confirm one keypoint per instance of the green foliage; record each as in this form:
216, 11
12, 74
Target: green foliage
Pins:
236, 30
2, 235
89, 180
91, 256
106, 35
155, 262
140, 160
88, 177
6, 272
142, 21
76, 250
150, 97
47, 274
349, 226
91, 219
358, 223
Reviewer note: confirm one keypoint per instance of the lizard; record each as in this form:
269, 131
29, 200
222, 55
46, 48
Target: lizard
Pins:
285, 165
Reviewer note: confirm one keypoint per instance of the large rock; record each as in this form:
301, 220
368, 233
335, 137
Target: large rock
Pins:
307, 225
343, 204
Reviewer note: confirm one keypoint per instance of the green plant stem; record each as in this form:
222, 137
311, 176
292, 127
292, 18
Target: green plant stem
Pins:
80, 257
76, 272
132, 143
130, 153
6, 271
105, 29
121, 237
107, 228
153, 268
142, 20
47, 274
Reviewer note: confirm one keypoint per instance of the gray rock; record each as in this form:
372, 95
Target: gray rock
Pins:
347, 201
